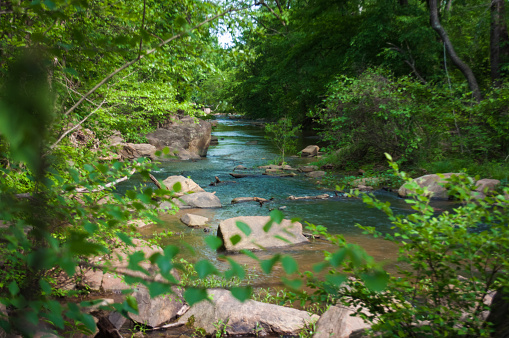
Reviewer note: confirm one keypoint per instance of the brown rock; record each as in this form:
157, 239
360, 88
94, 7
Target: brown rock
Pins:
248, 318
316, 174
310, 151
186, 133
258, 238
194, 220
186, 184
433, 182
337, 322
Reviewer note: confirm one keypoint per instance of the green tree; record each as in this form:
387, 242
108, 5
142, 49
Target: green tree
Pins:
284, 136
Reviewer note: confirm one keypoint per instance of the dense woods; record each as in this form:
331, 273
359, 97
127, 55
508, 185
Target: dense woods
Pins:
421, 83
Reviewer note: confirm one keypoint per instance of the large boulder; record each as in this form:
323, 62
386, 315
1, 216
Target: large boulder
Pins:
156, 311
433, 182
337, 322
310, 151
198, 200
187, 133
105, 281
486, 185
194, 220
258, 238
248, 318
186, 184
134, 150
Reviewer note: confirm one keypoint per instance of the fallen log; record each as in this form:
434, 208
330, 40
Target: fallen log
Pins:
318, 197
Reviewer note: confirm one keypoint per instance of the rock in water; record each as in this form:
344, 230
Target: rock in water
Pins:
248, 318
198, 200
258, 238
310, 151
433, 182
186, 184
188, 133
194, 220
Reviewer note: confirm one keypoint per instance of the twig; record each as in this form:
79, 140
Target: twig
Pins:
76, 126
156, 182
141, 28
262, 2
106, 186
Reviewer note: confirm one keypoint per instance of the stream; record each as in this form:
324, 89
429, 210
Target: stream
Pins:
243, 143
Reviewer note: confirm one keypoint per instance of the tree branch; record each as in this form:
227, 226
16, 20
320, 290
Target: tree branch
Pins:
76, 126
148, 52
142, 24
410, 61
463, 67
262, 2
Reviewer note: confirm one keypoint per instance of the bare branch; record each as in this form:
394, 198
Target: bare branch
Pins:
142, 24
409, 61
106, 186
262, 2
76, 126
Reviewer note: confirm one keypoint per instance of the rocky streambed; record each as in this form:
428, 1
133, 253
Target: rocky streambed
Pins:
234, 183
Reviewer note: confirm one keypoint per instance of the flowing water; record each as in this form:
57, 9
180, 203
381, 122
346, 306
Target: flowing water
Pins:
243, 143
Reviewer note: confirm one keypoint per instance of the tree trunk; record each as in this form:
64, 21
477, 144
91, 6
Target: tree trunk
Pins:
499, 40
462, 66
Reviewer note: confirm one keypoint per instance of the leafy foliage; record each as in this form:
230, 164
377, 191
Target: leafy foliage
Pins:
450, 264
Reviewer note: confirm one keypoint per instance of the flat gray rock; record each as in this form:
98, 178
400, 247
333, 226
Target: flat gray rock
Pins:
199, 200
248, 318
194, 220
258, 238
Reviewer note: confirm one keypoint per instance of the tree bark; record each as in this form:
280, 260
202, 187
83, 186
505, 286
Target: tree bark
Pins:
499, 40
462, 66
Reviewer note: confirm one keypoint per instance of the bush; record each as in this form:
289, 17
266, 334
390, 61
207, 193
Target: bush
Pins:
450, 264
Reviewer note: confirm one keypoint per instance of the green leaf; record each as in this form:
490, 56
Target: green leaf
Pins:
250, 254
242, 293
194, 295
289, 264
134, 260
268, 264
338, 257
171, 251
125, 238
132, 302
236, 270
276, 216
293, 283
336, 279
376, 281
155, 289
235, 239
214, 242
205, 268
246, 229
177, 187
320, 266
13, 288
